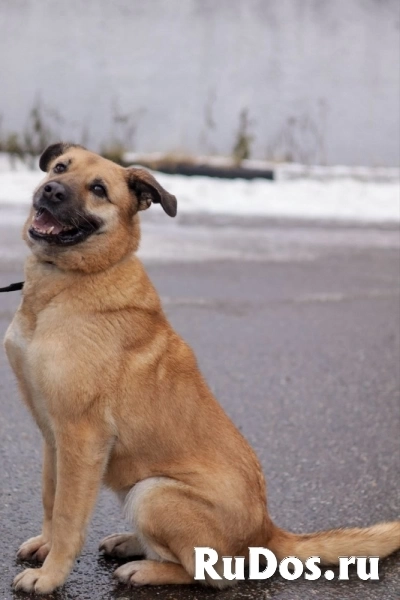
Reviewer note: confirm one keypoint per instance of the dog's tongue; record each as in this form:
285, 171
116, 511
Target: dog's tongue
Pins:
46, 223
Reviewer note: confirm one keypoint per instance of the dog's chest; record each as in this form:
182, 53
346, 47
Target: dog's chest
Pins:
16, 343
64, 362
18, 346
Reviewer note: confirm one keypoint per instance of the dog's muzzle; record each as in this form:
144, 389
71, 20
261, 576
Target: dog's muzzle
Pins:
57, 220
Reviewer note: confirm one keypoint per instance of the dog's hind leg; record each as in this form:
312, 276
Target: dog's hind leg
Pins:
151, 572
170, 519
122, 545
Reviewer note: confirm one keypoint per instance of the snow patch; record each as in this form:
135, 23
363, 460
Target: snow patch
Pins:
343, 199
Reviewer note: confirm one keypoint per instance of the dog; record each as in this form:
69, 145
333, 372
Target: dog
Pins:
120, 401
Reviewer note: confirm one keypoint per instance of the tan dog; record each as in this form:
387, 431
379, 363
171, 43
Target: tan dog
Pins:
119, 398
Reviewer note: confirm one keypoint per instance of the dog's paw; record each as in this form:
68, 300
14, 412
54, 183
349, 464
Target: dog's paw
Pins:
137, 573
151, 572
36, 548
37, 581
121, 545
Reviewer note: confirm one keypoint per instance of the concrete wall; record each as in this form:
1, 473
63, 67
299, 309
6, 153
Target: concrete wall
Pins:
319, 79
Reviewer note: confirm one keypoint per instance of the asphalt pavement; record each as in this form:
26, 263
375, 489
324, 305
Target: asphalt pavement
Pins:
296, 327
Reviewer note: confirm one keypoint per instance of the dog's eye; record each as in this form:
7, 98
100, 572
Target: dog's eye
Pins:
99, 190
59, 168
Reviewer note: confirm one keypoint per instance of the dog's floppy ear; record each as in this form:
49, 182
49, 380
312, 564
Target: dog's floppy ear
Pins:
148, 190
52, 152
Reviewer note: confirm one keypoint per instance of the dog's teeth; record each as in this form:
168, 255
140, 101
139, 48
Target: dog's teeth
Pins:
50, 230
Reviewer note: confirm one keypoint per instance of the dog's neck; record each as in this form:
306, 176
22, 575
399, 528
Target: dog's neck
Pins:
124, 284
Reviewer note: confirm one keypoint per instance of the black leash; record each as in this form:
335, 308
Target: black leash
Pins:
13, 287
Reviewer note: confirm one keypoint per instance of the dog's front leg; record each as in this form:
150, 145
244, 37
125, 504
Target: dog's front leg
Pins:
81, 458
37, 548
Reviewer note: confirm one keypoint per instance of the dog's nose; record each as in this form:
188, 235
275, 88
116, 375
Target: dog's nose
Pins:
54, 191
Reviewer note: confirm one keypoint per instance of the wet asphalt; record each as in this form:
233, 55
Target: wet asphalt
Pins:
297, 331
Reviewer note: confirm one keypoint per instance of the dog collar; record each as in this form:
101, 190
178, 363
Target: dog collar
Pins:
13, 287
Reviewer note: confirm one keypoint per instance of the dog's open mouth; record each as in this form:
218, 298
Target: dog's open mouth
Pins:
46, 227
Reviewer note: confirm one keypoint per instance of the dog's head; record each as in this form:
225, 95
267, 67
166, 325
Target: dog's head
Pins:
84, 213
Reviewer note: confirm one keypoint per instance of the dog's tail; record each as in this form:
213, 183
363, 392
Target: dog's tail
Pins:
379, 540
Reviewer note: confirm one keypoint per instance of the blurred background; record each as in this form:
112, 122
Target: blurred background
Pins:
258, 90
311, 81
276, 125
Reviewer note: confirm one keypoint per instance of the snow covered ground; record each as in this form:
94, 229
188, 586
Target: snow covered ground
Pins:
342, 200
